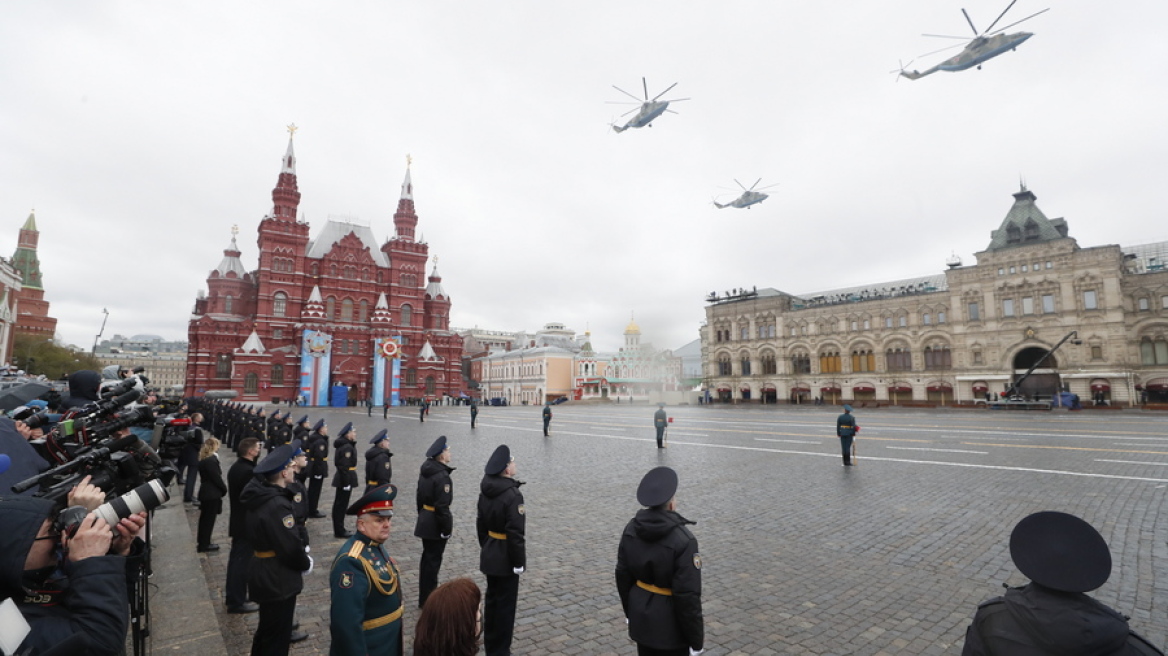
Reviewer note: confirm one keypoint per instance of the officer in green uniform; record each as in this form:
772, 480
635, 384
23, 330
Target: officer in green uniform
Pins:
366, 611
660, 421
845, 428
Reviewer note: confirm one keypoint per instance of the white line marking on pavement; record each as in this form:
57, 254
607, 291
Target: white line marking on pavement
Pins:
690, 434
917, 448
967, 465
1136, 462
765, 439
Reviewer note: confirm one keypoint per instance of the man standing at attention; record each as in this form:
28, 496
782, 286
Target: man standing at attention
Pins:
547, 418
238, 476
659, 573
366, 609
660, 421
845, 428
435, 523
501, 528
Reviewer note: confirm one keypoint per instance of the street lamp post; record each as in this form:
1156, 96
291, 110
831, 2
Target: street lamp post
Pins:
93, 351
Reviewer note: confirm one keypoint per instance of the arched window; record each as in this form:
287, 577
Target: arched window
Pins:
898, 359
407, 315
251, 383
1153, 352
411, 377
723, 365
363, 310
279, 304
347, 309
829, 362
744, 363
314, 269
277, 374
863, 360
330, 308
333, 270
801, 363
228, 304
431, 387
768, 363
223, 366
937, 357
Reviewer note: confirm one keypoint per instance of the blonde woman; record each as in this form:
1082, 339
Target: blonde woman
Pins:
211, 493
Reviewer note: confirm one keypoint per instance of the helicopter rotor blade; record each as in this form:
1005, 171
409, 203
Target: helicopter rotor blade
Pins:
970, 21
770, 186
639, 101
987, 30
673, 100
663, 92
740, 184
959, 45
630, 111
1003, 29
645, 85
946, 36
755, 184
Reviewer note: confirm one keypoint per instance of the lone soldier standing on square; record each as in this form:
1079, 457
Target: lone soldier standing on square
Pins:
345, 456
660, 421
378, 462
435, 523
659, 573
474, 412
845, 428
547, 418
501, 528
366, 610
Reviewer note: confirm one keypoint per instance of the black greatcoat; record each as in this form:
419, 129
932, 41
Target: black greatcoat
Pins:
345, 459
317, 450
238, 477
658, 550
271, 526
435, 489
378, 468
501, 511
1034, 621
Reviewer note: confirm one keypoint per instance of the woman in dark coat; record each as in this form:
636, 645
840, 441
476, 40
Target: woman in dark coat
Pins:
211, 493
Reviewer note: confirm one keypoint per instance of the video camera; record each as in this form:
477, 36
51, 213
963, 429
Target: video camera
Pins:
85, 442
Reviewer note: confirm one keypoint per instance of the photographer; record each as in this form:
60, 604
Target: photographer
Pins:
70, 579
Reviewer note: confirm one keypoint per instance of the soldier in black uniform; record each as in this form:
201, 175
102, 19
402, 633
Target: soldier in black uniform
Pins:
301, 431
317, 469
547, 418
435, 522
474, 412
238, 476
378, 462
845, 428
345, 460
660, 421
1064, 557
659, 573
501, 528
280, 557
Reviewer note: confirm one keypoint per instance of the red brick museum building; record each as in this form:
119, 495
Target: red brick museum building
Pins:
325, 312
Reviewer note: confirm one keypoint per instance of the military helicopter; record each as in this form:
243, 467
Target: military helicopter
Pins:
984, 46
749, 197
648, 110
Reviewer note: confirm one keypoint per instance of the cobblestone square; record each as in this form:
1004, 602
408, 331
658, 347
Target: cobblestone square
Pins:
800, 555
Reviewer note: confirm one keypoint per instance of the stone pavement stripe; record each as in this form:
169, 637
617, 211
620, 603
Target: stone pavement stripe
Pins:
182, 616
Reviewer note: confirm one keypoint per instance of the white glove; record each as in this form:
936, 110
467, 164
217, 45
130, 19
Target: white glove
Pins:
695, 653
519, 570
310, 566
307, 549
318, 477
348, 488
444, 537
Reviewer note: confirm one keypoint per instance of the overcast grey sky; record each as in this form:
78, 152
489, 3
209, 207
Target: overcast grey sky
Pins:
142, 131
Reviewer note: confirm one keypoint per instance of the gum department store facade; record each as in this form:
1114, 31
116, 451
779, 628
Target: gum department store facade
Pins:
956, 336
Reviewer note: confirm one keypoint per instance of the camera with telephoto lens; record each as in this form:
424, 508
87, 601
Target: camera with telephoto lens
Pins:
145, 497
171, 434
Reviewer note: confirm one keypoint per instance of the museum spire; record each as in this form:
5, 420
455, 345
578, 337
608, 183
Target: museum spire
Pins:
286, 194
404, 219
